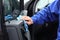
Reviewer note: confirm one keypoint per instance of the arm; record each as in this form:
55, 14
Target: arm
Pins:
48, 14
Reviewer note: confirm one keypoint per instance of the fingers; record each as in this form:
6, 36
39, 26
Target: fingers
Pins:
24, 17
29, 23
28, 20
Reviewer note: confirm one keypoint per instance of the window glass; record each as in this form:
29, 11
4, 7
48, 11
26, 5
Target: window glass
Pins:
7, 8
11, 9
42, 3
18, 0
10, 5
25, 1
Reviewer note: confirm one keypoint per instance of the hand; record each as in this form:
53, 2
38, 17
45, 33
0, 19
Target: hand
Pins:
28, 20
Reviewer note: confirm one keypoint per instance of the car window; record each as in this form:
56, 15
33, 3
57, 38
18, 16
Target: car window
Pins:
10, 5
42, 3
25, 1
7, 7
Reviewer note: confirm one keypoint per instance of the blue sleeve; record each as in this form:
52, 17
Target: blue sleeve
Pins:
47, 14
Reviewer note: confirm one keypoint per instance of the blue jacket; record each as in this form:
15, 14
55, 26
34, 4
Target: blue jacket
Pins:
48, 14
